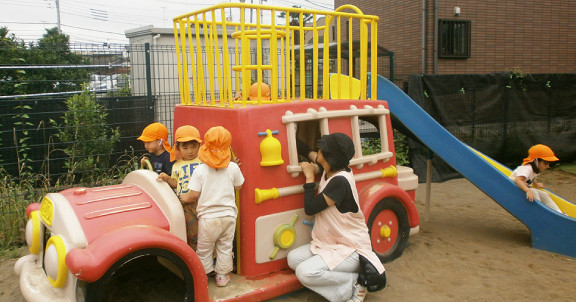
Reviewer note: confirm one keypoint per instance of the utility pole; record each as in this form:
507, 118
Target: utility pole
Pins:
58, 16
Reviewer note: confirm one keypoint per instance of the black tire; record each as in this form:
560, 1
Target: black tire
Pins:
389, 215
136, 276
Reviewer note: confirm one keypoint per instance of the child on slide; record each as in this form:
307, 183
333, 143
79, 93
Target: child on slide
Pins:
538, 160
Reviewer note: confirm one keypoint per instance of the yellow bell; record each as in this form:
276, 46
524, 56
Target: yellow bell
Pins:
271, 150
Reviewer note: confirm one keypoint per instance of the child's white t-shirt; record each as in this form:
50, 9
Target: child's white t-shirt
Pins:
216, 187
526, 171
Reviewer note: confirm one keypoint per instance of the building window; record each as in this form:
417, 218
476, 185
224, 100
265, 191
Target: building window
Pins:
454, 38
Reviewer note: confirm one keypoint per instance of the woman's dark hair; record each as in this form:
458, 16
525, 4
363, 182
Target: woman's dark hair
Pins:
337, 149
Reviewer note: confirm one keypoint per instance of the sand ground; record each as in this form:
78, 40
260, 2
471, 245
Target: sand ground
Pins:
469, 249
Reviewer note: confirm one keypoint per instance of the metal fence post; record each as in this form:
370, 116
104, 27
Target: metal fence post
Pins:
149, 102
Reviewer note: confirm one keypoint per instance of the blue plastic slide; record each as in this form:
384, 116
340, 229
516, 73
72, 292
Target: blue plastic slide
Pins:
550, 231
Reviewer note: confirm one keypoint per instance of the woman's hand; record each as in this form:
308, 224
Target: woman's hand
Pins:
308, 170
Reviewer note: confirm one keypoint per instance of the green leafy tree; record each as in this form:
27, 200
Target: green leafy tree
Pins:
12, 52
53, 49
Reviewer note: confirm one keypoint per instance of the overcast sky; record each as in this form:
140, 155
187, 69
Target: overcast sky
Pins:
100, 21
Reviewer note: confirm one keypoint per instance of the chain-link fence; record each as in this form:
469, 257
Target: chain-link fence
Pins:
130, 86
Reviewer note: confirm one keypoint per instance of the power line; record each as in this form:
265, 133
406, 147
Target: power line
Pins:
100, 31
16, 22
112, 17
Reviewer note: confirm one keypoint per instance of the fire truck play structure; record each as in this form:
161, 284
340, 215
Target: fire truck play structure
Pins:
81, 238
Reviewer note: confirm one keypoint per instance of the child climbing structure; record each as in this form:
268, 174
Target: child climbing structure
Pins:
82, 239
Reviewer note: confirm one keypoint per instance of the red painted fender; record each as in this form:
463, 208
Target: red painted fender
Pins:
31, 208
373, 193
91, 263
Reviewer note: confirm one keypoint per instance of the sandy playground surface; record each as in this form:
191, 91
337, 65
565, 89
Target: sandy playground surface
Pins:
470, 249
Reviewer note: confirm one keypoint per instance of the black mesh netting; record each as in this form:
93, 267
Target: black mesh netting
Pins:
500, 114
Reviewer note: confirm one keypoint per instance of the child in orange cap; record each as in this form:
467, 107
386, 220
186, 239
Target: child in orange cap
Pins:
185, 157
185, 154
155, 138
213, 184
538, 160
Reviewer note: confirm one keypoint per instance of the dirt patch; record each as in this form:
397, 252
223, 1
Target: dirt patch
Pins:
470, 249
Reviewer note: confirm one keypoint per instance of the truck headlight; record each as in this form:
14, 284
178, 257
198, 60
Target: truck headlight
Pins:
54, 261
34, 231
47, 210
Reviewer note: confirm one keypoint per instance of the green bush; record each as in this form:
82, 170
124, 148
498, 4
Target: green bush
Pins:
372, 146
87, 137
402, 149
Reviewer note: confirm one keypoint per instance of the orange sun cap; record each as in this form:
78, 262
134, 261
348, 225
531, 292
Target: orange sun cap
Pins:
540, 151
215, 152
253, 92
156, 131
184, 134
187, 133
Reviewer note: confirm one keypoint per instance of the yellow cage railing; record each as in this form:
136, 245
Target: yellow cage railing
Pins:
224, 62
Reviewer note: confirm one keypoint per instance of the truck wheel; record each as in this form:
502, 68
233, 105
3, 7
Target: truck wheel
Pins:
130, 276
389, 229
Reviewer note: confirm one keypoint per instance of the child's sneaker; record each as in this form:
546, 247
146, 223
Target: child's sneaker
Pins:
222, 279
359, 293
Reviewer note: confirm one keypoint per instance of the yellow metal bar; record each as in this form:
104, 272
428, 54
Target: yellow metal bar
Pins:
286, 62
227, 97
218, 65
283, 71
237, 74
187, 37
350, 55
302, 59
200, 74
274, 61
208, 38
363, 58
326, 61
315, 62
258, 57
374, 61
245, 61
339, 54
293, 62
179, 62
185, 63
